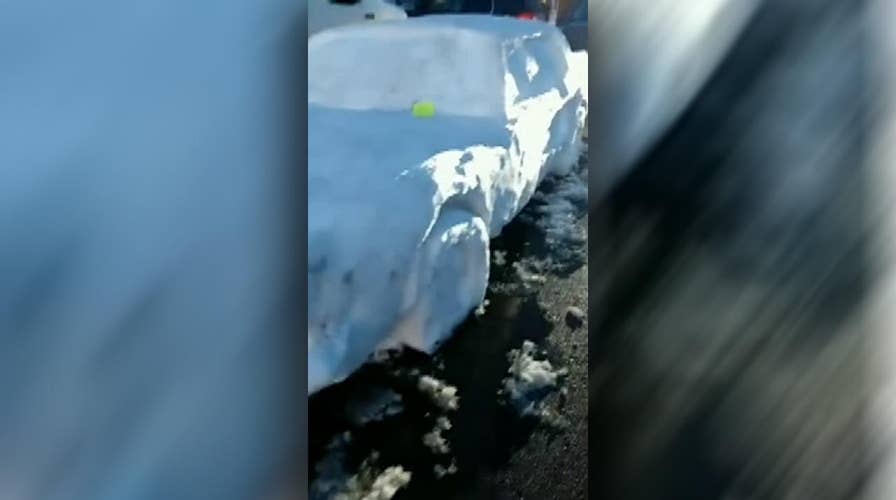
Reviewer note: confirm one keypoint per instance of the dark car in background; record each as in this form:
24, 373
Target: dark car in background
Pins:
570, 15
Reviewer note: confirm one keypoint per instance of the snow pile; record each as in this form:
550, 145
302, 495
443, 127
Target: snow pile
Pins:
401, 209
530, 379
443, 395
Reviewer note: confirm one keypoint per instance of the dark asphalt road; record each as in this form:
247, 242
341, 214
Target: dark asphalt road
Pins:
499, 454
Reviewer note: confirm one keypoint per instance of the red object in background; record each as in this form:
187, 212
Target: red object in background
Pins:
526, 15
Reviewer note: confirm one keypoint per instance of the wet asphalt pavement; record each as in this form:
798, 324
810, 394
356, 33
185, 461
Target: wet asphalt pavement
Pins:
498, 453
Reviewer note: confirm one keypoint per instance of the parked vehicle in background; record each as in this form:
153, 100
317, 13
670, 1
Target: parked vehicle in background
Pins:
573, 21
326, 14
571, 16
541, 9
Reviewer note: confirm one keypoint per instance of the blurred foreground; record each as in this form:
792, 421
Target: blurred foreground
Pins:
731, 353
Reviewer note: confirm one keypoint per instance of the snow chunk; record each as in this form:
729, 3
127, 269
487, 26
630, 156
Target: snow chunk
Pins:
480, 311
401, 210
441, 471
434, 439
528, 374
443, 395
499, 257
529, 379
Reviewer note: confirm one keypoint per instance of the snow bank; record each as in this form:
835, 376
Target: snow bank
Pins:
401, 209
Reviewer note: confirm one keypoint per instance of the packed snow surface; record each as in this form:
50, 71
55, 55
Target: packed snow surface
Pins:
401, 209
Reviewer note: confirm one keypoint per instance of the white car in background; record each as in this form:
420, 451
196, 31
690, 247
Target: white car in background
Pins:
402, 208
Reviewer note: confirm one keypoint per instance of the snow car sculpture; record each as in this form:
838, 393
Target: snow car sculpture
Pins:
402, 208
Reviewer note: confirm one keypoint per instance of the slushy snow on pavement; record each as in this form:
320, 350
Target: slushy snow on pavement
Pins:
401, 209
529, 379
368, 483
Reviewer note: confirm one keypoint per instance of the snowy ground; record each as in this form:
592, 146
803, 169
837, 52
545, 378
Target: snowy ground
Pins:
493, 451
